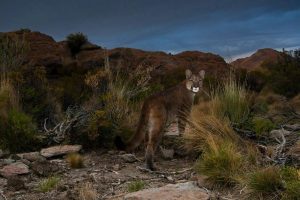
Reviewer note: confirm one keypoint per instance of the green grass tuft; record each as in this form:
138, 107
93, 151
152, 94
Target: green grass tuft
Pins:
48, 184
136, 186
222, 165
266, 182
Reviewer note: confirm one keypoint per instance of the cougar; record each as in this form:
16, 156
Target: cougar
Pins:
161, 109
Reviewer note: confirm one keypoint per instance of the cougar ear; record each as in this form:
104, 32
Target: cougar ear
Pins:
188, 73
202, 74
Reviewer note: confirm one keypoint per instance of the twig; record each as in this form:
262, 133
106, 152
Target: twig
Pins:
162, 172
2, 194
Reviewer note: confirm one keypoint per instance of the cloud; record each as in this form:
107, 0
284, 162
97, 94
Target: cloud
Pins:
227, 27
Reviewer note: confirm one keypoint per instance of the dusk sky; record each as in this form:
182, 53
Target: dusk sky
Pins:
230, 28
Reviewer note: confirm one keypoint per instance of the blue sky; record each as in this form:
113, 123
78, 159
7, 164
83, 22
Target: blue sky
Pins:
230, 28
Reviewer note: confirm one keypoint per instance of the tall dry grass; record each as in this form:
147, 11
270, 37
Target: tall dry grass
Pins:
226, 156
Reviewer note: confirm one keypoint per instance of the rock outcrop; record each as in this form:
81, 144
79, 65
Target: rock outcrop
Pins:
180, 191
45, 51
254, 61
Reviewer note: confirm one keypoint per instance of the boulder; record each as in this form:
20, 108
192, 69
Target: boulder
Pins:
17, 168
60, 150
31, 156
15, 183
180, 191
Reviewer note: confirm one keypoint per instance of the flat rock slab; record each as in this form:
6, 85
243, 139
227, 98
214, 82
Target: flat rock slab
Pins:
31, 156
60, 150
17, 168
180, 191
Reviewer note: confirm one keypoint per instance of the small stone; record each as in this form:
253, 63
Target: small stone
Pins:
44, 167
15, 183
167, 153
8, 161
16, 168
111, 152
170, 178
26, 162
14, 157
129, 158
116, 167
60, 150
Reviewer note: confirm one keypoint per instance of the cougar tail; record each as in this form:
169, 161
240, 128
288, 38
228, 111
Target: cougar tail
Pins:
136, 139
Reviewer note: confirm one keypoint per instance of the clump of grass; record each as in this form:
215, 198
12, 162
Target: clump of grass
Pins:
87, 192
48, 184
136, 186
75, 160
231, 101
275, 183
266, 182
221, 164
291, 179
262, 126
292, 190
206, 127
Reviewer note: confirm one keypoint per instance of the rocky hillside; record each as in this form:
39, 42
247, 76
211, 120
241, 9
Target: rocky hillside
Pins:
45, 51
255, 60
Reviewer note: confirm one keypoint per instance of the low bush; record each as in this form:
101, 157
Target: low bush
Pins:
19, 132
273, 182
48, 184
266, 182
222, 164
75, 41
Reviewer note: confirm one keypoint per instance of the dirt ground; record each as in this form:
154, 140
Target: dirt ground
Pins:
107, 173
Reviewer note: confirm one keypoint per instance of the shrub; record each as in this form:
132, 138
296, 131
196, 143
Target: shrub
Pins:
75, 41
266, 182
136, 186
75, 160
204, 128
48, 184
19, 132
292, 190
222, 164
279, 77
262, 126
231, 101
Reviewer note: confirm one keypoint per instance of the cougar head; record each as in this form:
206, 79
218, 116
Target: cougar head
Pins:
194, 82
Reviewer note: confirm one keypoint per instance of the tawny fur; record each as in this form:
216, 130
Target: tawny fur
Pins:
161, 109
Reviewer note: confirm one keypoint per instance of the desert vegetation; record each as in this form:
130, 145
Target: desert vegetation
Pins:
242, 130
229, 134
